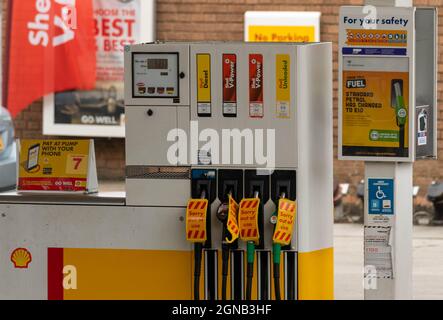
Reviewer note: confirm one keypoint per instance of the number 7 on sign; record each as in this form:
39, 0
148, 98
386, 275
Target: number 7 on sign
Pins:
76, 164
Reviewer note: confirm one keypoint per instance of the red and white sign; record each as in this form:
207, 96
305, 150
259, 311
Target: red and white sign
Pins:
116, 24
196, 212
233, 227
256, 109
284, 229
100, 112
49, 39
230, 85
248, 220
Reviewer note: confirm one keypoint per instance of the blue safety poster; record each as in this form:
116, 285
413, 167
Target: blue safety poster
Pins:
381, 196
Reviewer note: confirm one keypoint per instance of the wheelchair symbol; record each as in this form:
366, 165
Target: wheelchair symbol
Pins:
380, 194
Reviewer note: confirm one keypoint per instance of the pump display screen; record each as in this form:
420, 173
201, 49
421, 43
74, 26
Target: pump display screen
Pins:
157, 64
155, 75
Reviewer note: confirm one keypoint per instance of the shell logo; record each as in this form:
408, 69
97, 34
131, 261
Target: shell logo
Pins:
21, 258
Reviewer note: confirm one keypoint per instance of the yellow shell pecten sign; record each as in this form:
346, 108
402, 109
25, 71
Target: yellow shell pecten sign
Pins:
21, 258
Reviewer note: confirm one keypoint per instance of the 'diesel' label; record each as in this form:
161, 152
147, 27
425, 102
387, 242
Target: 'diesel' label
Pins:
229, 85
283, 86
256, 109
204, 84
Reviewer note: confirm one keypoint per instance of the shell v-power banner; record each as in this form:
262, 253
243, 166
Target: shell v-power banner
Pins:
48, 40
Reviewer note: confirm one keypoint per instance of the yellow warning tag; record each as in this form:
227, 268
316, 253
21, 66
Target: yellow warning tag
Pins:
196, 220
248, 220
233, 228
287, 210
2, 146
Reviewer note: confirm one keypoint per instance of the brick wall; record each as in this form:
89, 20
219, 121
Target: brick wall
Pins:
223, 20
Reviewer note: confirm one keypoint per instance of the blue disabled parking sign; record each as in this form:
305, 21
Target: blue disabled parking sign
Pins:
381, 196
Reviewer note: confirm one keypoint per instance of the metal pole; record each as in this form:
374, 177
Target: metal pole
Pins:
390, 281
393, 259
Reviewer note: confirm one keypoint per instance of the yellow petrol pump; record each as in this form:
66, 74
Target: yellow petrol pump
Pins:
221, 139
255, 121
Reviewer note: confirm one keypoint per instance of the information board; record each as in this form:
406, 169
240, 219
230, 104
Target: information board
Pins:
376, 99
56, 166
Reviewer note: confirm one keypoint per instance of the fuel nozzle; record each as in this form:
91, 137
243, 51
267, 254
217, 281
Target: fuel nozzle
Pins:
203, 193
250, 253
223, 212
196, 213
223, 209
283, 220
198, 248
222, 216
276, 253
198, 230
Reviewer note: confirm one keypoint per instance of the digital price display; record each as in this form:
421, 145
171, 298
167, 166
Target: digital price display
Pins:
157, 64
155, 75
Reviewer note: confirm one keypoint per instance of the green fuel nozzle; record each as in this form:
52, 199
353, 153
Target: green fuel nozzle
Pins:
276, 248
276, 253
250, 250
250, 253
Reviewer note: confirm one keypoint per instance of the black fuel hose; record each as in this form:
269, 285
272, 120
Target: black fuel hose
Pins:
250, 275
222, 216
250, 268
291, 289
277, 281
198, 250
225, 268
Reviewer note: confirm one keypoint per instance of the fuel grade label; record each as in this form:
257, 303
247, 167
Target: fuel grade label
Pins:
230, 85
256, 107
